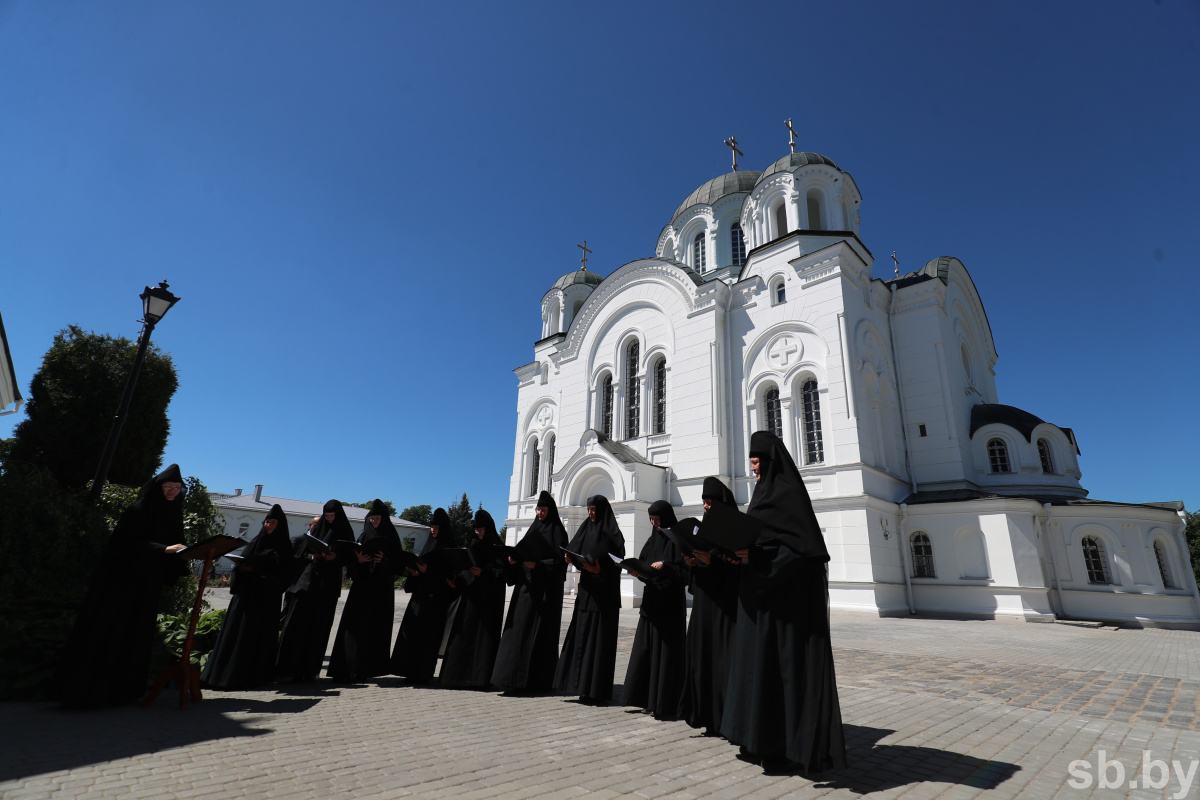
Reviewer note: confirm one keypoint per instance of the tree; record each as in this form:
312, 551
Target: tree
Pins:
72, 400
390, 506
462, 520
1192, 534
417, 514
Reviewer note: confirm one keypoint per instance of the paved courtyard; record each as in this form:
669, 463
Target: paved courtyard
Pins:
933, 708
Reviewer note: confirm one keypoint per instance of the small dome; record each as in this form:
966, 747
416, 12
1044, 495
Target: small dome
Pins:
714, 190
579, 276
794, 161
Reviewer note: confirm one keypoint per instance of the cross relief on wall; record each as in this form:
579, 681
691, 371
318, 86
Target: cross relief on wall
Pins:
544, 417
781, 352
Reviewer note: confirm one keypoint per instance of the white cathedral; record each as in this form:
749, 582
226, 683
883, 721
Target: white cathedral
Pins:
759, 312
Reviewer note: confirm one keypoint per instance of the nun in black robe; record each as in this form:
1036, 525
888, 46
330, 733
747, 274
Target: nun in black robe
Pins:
107, 657
781, 702
528, 652
474, 630
654, 679
362, 646
310, 603
589, 653
244, 655
713, 582
424, 625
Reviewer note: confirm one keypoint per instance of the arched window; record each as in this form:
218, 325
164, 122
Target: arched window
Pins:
698, 254
1094, 560
660, 396
535, 465
966, 359
816, 221
1047, 458
633, 397
737, 245
771, 416
606, 406
1164, 569
998, 456
922, 555
780, 220
814, 449
575, 309
550, 457
779, 293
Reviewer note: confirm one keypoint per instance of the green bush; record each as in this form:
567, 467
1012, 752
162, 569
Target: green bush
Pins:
172, 630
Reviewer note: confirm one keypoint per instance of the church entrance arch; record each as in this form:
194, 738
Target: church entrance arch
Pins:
594, 481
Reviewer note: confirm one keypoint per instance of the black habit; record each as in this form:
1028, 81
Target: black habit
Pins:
714, 588
107, 657
310, 603
589, 653
244, 655
362, 646
528, 652
781, 700
654, 680
474, 630
424, 625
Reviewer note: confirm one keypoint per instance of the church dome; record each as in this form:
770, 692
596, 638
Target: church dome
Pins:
714, 190
794, 161
576, 278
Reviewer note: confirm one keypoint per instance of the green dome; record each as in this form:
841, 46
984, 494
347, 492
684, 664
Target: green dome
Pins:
579, 276
793, 161
714, 190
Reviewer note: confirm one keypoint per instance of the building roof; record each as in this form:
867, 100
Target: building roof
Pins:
962, 495
1016, 418
304, 508
579, 276
10, 391
731, 183
795, 161
623, 453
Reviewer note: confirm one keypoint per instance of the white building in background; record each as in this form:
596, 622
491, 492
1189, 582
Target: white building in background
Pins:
244, 515
759, 311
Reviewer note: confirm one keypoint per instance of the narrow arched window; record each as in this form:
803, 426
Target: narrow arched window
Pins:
814, 449
780, 220
780, 292
698, 254
922, 555
815, 220
606, 406
1094, 560
771, 415
737, 245
660, 396
633, 397
1164, 569
966, 359
535, 466
1046, 457
998, 456
550, 456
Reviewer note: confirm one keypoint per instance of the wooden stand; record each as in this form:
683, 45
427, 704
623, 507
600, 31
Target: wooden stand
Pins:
184, 674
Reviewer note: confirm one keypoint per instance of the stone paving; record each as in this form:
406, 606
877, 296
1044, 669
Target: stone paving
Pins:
932, 708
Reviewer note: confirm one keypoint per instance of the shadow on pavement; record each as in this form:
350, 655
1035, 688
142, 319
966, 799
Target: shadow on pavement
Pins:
38, 738
877, 767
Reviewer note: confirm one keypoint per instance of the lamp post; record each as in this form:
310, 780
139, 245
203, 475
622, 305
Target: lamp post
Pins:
156, 302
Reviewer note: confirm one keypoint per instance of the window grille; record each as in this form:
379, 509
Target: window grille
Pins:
814, 449
737, 244
535, 465
633, 398
1094, 560
1163, 569
1047, 458
922, 555
550, 456
660, 396
771, 412
998, 456
606, 407
698, 254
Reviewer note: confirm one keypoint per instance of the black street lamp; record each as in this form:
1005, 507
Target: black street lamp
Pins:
156, 302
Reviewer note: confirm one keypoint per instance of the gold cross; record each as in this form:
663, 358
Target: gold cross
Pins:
791, 134
585, 250
731, 143
897, 263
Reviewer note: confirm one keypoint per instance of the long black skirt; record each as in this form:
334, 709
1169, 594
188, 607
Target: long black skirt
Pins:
528, 651
244, 655
362, 646
589, 654
307, 621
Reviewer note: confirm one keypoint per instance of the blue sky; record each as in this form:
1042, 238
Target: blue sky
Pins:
362, 204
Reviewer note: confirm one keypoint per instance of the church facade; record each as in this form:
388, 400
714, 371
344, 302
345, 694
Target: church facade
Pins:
759, 312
